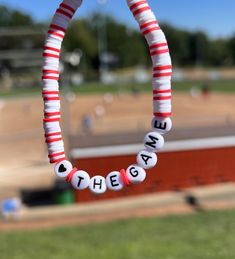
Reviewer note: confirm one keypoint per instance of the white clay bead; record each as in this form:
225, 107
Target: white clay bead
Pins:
97, 184
135, 174
114, 181
153, 141
161, 125
62, 169
146, 159
80, 180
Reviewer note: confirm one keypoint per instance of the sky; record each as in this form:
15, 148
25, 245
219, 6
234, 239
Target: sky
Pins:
215, 17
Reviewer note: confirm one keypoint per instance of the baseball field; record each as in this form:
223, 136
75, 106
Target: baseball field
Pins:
23, 164
23, 158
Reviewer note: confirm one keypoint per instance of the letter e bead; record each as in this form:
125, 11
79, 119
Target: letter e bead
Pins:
114, 181
161, 125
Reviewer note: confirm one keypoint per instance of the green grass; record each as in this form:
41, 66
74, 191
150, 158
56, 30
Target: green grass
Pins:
217, 86
90, 88
209, 235
20, 92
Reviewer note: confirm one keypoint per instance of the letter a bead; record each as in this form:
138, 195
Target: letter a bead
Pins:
146, 159
80, 180
62, 169
135, 174
114, 181
153, 141
97, 184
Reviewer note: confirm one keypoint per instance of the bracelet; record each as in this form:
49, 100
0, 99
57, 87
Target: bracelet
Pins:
161, 82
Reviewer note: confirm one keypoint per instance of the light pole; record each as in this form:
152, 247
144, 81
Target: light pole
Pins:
70, 59
102, 39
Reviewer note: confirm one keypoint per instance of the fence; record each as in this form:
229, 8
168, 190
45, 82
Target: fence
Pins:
182, 164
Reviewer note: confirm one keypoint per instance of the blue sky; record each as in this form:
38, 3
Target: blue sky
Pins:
216, 17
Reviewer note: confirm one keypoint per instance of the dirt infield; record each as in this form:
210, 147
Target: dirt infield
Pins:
23, 158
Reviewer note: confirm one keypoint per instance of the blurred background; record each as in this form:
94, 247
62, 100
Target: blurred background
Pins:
107, 110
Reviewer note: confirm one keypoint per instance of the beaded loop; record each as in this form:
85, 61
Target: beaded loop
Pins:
161, 82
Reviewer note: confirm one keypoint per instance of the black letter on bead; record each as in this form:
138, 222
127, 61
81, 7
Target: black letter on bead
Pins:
113, 181
160, 125
62, 168
145, 158
153, 143
99, 184
80, 178
134, 172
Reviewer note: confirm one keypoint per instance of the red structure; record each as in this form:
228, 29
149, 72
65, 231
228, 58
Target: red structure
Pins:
182, 164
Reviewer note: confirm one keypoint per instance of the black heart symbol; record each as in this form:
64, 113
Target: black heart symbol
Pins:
62, 169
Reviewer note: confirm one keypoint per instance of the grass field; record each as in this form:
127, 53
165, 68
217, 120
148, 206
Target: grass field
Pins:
217, 86
208, 235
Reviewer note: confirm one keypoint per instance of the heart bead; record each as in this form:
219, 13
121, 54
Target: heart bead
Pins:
63, 168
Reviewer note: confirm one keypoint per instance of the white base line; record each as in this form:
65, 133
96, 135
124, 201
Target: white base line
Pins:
171, 146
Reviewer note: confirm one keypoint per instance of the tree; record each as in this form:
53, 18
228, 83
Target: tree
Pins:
231, 49
219, 53
187, 48
19, 19
178, 41
13, 18
127, 44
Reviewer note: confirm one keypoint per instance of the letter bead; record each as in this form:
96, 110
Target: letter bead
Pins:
97, 185
153, 141
135, 174
114, 181
63, 168
161, 125
146, 159
80, 180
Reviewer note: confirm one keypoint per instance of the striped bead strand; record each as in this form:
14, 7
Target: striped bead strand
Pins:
50, 77
159, 51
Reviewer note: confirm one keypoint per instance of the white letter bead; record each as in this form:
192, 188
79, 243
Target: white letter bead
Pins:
135, 174
153, 141
80, 180
62, 169
97, 185
146, 159
161, 125
114, 181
